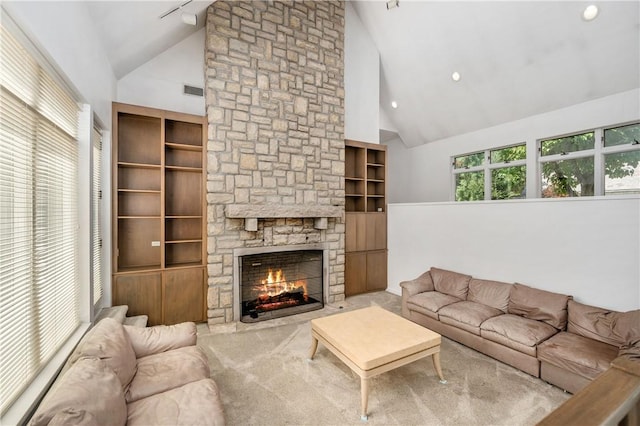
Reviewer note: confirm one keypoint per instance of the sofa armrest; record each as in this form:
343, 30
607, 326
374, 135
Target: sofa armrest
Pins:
418, 285
161, 338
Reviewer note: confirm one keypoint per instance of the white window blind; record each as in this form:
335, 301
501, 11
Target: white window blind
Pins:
96, 197
39, 290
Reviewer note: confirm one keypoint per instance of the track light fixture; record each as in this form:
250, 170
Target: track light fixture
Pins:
391, 4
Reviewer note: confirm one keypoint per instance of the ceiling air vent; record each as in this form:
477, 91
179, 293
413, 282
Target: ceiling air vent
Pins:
193, 90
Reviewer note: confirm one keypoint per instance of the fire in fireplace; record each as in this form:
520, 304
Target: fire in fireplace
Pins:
277, 284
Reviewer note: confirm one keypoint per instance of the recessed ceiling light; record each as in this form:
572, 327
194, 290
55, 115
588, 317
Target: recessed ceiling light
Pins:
590, 12
394, 104
455, 76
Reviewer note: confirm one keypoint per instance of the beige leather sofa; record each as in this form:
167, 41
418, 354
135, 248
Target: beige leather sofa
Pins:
121, 374
542, 333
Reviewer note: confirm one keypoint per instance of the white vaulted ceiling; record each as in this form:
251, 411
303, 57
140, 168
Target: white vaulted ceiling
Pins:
515, 58
132, 32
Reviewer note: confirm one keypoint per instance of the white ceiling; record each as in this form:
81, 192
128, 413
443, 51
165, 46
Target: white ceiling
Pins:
516, 58
132, 32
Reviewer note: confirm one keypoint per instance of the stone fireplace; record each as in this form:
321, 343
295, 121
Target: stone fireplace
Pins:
275, 152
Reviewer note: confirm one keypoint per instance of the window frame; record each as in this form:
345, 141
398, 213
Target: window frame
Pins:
487, 167
598, 152
22, 406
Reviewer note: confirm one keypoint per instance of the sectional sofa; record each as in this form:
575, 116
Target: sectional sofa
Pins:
545, 334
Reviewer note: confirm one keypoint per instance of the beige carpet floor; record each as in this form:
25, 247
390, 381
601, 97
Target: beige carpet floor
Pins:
265, 378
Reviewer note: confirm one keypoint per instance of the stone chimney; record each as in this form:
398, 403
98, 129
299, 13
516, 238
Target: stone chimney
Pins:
275, 153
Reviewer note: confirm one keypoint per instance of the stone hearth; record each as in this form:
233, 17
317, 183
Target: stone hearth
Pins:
275, 153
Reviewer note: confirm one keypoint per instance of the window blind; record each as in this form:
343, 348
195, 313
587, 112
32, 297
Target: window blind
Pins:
39, 290
96, 196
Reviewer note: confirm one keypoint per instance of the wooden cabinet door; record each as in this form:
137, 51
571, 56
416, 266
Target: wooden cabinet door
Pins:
355, 232
142, 293
376, 270
184, 295
376, 230
355, 278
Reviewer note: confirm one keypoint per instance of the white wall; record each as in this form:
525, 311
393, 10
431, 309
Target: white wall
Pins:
361, 81
430, 164
159, 82
588, 248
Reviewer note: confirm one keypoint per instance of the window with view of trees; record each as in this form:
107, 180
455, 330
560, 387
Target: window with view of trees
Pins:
578, 166
498, 174
622, 160
603, 161
568, 171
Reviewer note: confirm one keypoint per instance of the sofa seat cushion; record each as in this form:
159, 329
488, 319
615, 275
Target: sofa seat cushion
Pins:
540, 305
196, 403
109, 341
467, 315
167, 370
515, 332
430, 302
89, 391
449, 282
577, 354
490, 293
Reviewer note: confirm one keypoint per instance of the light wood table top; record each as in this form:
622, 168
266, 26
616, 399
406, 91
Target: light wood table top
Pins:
372, 341
373, 336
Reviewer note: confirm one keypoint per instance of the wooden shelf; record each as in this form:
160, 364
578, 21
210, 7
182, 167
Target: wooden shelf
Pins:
184, 147
365, 206
159, 210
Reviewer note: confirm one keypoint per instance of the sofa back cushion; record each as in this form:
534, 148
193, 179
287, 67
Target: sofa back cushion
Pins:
161, 338
539, 305
490, 293
89, 392
109, 341
620, 329
452, 283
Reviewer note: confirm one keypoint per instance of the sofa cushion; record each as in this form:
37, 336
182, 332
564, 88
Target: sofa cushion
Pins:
519, 333
539, 305
160, 338
418, 285
167, 370
577, 354
430, 302
89, 386
70, 416
108, 341
490, 293
451, 283
611, 327
196, 403
467, 315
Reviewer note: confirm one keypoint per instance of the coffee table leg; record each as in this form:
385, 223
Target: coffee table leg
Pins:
364, 395
436, 364
314, 347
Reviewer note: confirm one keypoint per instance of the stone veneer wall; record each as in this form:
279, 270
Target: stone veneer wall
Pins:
275, 106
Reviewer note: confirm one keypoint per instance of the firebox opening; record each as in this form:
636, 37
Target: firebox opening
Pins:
278, 284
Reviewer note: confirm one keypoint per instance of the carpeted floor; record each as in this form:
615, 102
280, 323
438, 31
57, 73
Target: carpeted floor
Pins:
265, 378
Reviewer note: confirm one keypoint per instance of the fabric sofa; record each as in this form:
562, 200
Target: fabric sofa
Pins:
544, 334
121, 374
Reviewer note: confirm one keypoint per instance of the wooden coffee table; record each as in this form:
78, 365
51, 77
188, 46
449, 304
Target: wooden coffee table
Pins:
372, 341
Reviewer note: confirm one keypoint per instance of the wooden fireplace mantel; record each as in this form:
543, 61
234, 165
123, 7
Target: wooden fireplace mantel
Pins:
252, 212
